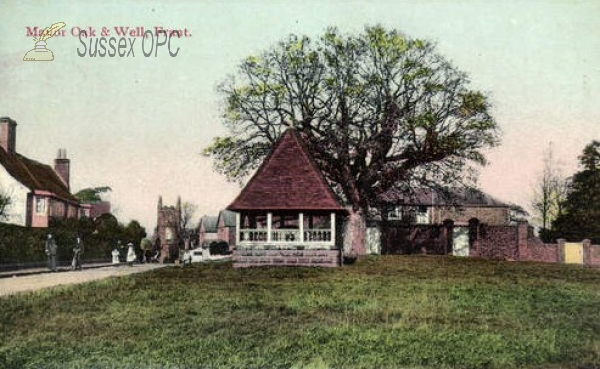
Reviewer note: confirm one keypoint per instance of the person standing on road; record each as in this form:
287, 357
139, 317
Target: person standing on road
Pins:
77, 254
115, 256
51, 252
130, 254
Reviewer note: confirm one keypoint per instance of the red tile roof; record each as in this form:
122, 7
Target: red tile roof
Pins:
35, 175
446, 197
288, 179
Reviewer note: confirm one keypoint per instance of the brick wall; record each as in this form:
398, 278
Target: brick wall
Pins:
507, 242
498, 242
594, 255
540, 251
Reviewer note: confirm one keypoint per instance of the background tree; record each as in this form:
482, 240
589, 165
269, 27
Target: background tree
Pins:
580, 217
550, 191
134, 233
5, 203
188, 210
377, 111
92, 195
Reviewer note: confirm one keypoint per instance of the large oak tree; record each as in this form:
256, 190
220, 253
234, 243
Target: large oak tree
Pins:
378, 111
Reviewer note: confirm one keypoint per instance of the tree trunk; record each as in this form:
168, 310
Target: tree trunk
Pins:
355, 233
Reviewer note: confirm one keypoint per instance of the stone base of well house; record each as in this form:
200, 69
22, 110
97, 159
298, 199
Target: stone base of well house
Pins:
312, 258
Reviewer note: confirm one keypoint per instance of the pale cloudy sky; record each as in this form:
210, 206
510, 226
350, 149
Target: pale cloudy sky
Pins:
137, 124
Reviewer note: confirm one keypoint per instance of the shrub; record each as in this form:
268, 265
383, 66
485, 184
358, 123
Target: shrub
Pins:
350, 257
219, 248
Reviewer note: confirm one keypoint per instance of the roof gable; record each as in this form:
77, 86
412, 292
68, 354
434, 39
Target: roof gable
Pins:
35, 175
226, 218
208, 224
288, 179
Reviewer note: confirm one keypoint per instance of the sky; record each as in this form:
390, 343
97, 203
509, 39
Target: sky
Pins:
138, 124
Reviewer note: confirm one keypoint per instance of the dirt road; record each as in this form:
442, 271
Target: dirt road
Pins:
35, 282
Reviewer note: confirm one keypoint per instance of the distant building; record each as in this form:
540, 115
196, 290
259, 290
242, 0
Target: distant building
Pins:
226, 227
168, 230
95, 209
208, 230
39, 193
427, 206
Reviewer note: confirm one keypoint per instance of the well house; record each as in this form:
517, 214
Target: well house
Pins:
287, 214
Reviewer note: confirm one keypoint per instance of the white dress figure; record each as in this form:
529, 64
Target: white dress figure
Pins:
130, 254
115, 257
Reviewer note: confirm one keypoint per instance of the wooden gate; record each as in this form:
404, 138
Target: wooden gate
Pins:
574, 253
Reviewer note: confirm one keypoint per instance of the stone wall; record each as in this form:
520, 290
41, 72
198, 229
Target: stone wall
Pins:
252, 258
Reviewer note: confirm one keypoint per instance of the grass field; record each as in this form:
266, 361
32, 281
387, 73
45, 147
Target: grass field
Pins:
382, 312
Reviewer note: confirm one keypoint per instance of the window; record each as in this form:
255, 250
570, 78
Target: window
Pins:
395, 213
422, 215
169, 235
416, 214
40, 205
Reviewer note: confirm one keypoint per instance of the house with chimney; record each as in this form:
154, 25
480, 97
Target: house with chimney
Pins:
38, 192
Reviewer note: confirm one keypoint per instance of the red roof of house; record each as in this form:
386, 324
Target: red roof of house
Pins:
447, 197
34, 175
288, 179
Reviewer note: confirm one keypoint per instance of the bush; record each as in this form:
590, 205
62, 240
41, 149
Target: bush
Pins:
21, 244
219, 248
350, 258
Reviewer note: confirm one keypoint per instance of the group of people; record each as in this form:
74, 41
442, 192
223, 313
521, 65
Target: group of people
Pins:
51, 249
131, 256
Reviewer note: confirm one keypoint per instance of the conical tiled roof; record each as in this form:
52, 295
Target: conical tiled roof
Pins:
288, 179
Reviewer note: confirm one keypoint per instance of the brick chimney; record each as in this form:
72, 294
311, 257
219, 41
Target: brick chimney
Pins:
8, 135
61, 167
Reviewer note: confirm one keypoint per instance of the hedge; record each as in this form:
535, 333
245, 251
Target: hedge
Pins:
27, 245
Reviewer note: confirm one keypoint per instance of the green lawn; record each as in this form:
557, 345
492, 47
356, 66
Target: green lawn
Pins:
382, 312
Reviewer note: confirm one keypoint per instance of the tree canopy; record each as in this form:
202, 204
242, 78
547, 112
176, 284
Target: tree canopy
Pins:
92, 195
580, 218
377, 110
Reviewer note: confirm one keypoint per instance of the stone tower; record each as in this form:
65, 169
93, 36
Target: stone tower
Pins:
168, 227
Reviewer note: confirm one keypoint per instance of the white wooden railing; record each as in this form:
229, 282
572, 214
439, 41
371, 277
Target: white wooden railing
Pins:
317, 235
291, 236
285, 235
253, 235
